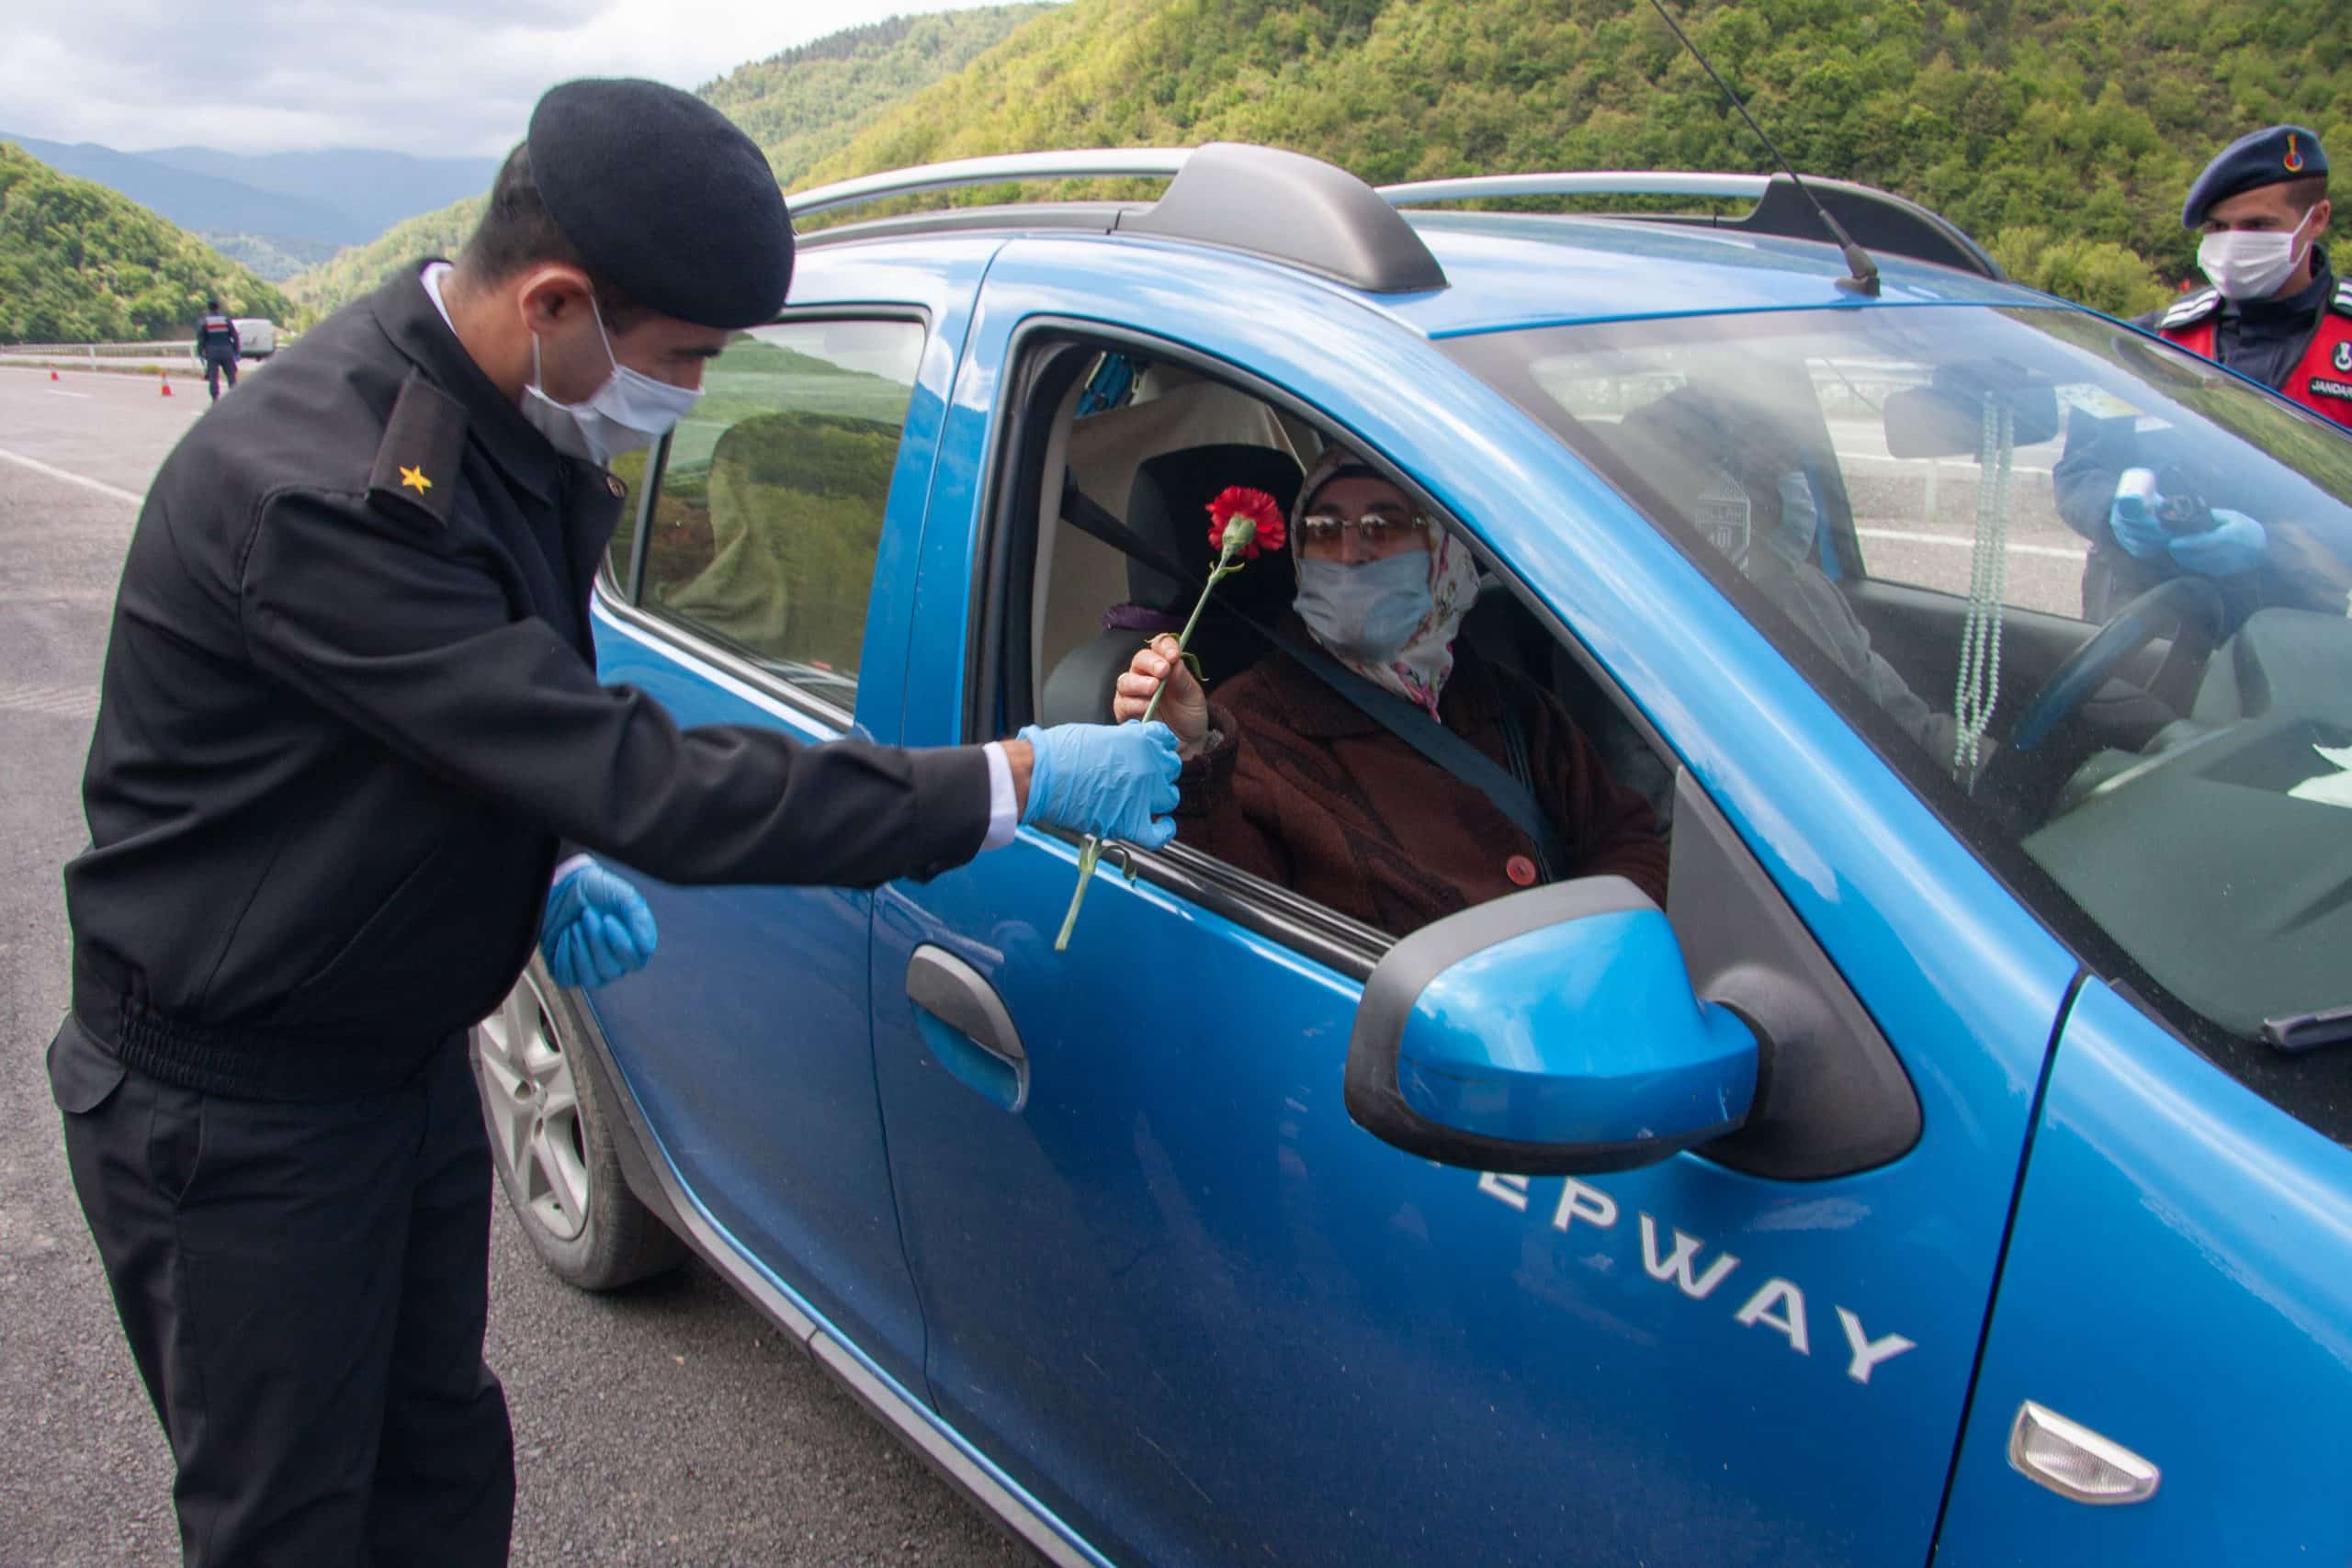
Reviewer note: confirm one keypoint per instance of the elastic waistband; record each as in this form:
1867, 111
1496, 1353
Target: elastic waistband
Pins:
240, 1061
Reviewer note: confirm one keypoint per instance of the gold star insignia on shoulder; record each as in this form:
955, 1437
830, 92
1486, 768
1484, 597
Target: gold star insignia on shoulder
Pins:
414, 478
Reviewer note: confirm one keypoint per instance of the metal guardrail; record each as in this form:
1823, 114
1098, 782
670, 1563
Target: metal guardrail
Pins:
91, 352
118, 350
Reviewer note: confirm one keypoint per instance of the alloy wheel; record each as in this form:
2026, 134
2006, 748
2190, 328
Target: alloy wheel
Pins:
534, 1111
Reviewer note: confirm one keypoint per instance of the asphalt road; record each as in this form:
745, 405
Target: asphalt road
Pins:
666, 1425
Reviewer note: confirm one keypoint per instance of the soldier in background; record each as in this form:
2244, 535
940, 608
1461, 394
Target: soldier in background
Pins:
217, 346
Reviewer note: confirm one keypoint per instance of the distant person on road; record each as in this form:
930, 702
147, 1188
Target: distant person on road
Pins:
217, 346
351, 727
2276, 313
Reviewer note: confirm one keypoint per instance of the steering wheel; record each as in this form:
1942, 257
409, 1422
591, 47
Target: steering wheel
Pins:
2191, 603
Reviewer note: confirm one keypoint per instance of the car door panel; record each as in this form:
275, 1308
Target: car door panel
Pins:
749, 1051
1180, 1295
748, 1041
2180, 1283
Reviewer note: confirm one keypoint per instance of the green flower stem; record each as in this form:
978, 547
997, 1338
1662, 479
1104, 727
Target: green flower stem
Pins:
1089, 849
1184, 638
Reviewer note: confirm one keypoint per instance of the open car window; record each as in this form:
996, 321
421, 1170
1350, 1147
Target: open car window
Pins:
1124, 545
1917, 507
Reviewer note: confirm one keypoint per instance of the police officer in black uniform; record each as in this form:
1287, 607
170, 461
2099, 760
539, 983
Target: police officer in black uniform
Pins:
349, 708
217, 346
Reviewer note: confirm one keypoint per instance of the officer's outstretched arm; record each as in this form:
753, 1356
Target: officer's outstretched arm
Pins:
402, 628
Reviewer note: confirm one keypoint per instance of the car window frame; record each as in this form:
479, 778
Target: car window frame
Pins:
995, 705
625, 602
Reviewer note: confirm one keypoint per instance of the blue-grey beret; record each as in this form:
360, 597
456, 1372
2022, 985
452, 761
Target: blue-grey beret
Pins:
2270, 156
665, 198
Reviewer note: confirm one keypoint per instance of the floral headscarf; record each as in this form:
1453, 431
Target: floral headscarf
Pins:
1418, 671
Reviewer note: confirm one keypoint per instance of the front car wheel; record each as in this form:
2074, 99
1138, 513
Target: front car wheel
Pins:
551, 1139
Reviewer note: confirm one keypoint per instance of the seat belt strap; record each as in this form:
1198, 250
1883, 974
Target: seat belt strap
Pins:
1434, 741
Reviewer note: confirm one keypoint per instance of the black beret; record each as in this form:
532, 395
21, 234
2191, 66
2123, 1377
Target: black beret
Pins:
665, 198
2267, 157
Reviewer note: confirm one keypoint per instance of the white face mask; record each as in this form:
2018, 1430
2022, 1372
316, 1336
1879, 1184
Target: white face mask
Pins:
2246, 264
630, 411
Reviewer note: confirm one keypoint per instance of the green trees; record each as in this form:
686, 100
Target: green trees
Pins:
2085, 119
79, 263
349, 274
2062, 133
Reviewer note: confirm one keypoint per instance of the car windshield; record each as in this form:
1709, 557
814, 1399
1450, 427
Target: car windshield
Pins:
2095, 584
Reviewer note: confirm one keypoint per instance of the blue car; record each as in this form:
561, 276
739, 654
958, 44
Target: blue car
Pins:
1954, 1170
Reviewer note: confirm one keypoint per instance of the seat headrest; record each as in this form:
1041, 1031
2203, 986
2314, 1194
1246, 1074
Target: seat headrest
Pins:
1169, 505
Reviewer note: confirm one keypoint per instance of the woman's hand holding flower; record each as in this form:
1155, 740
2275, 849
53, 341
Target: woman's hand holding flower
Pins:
1185, 708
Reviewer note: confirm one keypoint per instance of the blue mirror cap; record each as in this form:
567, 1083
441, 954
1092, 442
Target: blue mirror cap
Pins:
1552, 1031
1586, 1032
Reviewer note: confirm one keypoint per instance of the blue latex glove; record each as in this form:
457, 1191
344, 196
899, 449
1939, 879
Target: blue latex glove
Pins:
596, 928
1110, 780
2132, 517
2235, 544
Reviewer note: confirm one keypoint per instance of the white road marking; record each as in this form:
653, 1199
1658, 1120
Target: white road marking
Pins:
99, 485
1954, 541
62, 392
59, 702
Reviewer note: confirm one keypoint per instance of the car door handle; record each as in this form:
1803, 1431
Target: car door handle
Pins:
964, 1023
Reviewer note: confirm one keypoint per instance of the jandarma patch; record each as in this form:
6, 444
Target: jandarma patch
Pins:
2328, 387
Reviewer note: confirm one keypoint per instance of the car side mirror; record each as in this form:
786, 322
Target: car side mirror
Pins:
1550, 1032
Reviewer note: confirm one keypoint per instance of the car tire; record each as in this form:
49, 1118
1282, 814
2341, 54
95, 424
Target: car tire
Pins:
552, 1140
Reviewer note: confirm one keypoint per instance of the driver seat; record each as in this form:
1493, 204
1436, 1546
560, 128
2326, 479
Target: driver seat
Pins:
1168, 506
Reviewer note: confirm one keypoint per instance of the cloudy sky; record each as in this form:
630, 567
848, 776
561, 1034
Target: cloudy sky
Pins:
425, 77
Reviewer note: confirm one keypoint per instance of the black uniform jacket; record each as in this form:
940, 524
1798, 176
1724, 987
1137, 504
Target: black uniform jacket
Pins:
349, 705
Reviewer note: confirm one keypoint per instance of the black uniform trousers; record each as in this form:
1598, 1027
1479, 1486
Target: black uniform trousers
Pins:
316, 1273
214, 366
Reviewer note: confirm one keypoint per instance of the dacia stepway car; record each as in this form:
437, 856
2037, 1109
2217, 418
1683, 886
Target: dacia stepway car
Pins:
1955, 1170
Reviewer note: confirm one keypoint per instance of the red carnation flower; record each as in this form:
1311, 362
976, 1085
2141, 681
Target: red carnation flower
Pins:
1263, 512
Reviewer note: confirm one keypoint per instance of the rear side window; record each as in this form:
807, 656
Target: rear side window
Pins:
770, 496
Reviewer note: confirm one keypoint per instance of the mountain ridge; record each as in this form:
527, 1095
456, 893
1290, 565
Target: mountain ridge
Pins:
799, 105
80, 262
292, 203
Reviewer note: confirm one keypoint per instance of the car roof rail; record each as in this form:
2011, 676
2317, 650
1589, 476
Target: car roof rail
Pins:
1097, 163
1264, 201
1879, 220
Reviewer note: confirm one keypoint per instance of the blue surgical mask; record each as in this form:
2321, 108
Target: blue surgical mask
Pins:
630, 411
1365, 610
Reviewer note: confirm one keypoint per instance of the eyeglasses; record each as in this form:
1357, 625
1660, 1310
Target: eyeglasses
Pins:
1376, 529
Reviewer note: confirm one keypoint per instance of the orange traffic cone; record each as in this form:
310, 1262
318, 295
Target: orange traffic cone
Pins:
53, 372
167, 384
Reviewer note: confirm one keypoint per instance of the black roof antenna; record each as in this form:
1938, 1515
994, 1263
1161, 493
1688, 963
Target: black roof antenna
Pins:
1858, 260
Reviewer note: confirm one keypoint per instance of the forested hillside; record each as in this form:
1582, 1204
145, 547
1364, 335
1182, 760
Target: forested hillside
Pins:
800, 106
806, 103
2062, 132
79, 263
347, 275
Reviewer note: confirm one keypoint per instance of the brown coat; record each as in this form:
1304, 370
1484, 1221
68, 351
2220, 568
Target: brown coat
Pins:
1307, 790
